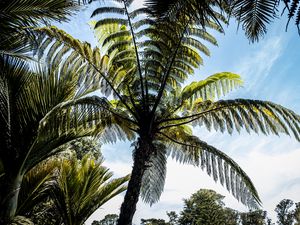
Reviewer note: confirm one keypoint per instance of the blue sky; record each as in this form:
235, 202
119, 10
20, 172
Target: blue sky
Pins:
270, 70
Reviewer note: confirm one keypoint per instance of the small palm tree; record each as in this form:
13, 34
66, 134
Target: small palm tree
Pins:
83, 186
145, 62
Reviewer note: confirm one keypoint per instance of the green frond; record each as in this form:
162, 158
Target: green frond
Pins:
143, 22
116, 37
155, 175
186, 148
108, 21
197, 45
253, 115
36, 186
138, 12
203, 34
214, 86
254, 16
102, 10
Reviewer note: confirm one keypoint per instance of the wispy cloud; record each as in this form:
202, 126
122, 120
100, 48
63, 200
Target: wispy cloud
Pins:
256, 67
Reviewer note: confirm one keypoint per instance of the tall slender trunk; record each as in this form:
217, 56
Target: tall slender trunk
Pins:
9, 199
141, 157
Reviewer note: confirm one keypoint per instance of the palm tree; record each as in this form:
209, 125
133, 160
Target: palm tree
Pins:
253, 15
83, 186
40, 110
146, 63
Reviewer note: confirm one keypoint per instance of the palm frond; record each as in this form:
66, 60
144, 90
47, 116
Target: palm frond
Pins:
212, 87
36, 186
254, 16
252, 115
154, 177
187, 148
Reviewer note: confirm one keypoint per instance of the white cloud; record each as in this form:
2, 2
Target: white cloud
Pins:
256, 66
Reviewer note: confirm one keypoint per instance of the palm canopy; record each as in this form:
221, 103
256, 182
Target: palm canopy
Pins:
254, 16
142, 66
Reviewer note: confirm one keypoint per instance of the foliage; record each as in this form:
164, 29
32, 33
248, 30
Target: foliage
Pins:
46, 213
109, 219
254, 16
21, 220
153, 222
258, 217
297, 213
81, 147
284, 213
204, 207
83, 186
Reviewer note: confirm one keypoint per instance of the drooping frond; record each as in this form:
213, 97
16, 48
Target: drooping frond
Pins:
187, 148
154, 177
254, 16
293, 11
14, 77
252, 115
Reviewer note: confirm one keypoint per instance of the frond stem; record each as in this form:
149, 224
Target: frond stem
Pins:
136, 52
167, 73
191, 117
178, 142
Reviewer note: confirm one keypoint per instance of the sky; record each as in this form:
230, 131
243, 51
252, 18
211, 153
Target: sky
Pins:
270, 70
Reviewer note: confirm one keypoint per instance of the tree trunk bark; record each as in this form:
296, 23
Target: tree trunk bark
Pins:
141, 157
9, 199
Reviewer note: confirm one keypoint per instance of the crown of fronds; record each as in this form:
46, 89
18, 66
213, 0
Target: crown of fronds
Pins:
151, 52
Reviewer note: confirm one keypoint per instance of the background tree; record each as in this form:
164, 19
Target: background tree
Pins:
284, 213
297, 213
109, 219
205, 207
173, 217
153, 222
258, 217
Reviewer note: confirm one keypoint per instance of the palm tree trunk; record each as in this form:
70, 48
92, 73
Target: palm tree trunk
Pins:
141, 157
10, 193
